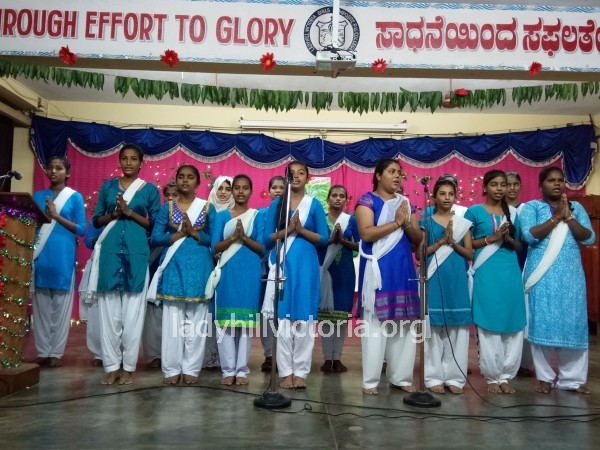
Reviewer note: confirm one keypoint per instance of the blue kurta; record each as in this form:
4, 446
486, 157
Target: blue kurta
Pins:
125, 251
184, 278
448, 288
557, 302
398, 297
343, 275
302, 292
55, 265
238, 292
498, 299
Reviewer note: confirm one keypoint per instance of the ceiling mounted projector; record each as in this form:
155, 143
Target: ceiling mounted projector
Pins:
335, 61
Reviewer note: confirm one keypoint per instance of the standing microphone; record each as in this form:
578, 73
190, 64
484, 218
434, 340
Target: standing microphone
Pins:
289, 177
425, 180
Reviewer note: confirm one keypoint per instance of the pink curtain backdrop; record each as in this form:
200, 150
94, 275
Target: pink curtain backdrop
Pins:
88, 173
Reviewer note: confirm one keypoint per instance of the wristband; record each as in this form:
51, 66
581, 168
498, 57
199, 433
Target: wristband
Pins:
130, 213
568, 219
399, 226
408, 226
485, 239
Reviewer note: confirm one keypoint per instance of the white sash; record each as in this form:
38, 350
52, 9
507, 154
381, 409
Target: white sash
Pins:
92, 279
372, 275
332, 251
248, 223
488, 252
460, 227
555, 244
46, 231
268, 303
193, 213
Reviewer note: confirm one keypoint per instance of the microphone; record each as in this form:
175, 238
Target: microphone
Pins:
16, 175
289, 177
425, 180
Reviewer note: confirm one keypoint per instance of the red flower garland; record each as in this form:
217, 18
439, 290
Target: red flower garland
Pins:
535, 68
170, 58
462, 92
2, 220
267, 61
379, 65
67, 56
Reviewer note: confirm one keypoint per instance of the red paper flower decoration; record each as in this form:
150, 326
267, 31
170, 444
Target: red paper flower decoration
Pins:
170, 58
462, 92
67, 56
1, 261
2, 220
267, 61
2, 240
379, 65
535, 68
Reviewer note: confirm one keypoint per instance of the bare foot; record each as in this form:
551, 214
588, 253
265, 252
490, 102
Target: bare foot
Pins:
494, 388
171, 380
404, 388
507, 388
110, 378
455, 390
287, 382
228, 381
370, 391
543, 387
190, 379
299, 383
55, 362
96, 362
241, 381
154, 364
439, 389
583, 390
338, 367
125, 378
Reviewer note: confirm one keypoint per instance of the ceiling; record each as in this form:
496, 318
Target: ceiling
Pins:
361, 80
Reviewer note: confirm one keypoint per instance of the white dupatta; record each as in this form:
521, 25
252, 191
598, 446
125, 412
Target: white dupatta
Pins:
487, 252
372, 275
46, 230
332, 250
460, 227
555, 245
268, 307
193, 213
248, 223
91, 280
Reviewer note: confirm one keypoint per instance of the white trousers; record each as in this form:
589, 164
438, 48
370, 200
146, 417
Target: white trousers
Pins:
499, 355
152, 332
296, 340
572, 366
332, 339
391, 341
121, 322
93, 333
266, 335
51, 321
234, 351
447, 356
184, 330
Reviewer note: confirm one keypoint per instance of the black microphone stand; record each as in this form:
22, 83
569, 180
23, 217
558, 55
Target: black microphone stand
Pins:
271, 398
422, 398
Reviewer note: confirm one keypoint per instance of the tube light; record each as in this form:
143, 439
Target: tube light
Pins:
369, 127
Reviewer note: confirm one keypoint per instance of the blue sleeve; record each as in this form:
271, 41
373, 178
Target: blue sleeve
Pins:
320, 223
161, 236
259, 227
78, 214
101, 205
353, 226
270, 224
205, 232
216, 233
91, 234
40, 199
422, 222
518, 230
528, 220
582, 217
153, 205
469, 215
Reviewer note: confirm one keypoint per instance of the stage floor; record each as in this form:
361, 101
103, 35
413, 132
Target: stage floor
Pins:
70, 409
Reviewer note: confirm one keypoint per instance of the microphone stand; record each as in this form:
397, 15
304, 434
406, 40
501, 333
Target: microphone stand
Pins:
422, 398
271, 398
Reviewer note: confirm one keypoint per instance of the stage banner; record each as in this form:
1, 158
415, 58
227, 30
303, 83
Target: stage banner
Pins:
406, 35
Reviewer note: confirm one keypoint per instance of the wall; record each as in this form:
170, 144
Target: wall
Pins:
226, 120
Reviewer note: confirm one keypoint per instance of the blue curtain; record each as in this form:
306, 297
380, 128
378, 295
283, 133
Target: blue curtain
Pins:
576, 144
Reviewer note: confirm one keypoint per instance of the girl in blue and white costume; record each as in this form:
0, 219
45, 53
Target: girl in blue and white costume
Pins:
298, 310
53, 285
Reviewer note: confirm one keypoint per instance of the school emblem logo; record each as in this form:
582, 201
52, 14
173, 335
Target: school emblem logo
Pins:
318, 30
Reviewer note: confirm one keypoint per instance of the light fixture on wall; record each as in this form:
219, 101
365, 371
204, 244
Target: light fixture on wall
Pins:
360, 127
